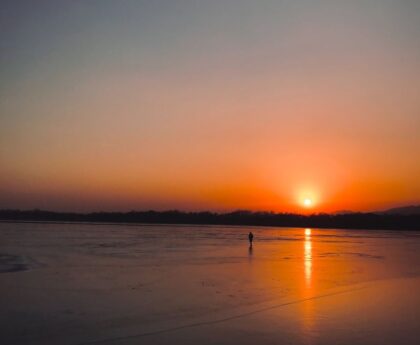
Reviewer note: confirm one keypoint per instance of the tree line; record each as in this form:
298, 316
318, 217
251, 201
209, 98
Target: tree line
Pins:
322, 220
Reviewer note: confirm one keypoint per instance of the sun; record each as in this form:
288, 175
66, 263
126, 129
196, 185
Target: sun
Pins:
307, 202
307, 198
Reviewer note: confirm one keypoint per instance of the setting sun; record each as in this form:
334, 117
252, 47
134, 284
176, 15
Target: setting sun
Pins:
307, 202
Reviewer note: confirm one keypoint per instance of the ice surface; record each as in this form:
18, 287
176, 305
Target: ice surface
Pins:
142, 284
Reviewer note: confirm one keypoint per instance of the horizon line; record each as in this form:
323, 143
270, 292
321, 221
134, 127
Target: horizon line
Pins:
307, 214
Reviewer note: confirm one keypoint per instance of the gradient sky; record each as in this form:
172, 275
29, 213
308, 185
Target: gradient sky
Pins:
221, 105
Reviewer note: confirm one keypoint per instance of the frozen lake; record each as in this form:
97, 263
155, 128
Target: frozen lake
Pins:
121, 284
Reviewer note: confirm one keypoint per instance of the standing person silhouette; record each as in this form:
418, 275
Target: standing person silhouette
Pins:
250, 238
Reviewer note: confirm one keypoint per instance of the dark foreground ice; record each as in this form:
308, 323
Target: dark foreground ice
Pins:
120, 284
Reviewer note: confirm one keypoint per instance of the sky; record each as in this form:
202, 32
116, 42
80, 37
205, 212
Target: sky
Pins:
209, 105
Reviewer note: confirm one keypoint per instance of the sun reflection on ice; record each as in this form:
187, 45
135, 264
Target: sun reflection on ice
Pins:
308, 313
308, 257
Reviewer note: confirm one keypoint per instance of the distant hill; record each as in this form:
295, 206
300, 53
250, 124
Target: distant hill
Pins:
341, 212
405, 211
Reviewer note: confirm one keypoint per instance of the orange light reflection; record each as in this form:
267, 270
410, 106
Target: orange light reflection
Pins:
308, 257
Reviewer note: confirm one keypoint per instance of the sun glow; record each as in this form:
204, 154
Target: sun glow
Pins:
307, 202
307, 197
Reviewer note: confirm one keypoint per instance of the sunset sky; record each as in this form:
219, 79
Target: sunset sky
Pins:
209, 105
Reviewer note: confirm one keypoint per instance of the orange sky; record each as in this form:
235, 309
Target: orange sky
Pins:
214, 106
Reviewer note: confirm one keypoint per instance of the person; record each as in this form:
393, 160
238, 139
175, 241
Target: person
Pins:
250, 238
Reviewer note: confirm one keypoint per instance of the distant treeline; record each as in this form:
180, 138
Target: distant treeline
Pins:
350, 221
